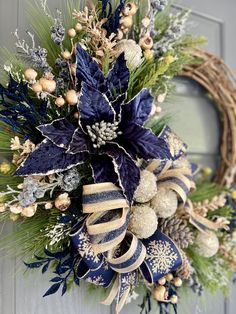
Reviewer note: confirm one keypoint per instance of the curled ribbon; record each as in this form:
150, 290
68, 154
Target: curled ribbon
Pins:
108, 250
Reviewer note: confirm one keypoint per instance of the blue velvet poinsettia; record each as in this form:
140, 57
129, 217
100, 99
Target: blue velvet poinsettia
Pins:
111, 132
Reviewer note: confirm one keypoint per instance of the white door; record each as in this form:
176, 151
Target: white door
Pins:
21, 294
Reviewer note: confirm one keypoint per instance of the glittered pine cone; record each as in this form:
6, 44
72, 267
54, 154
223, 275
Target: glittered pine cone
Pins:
177, 230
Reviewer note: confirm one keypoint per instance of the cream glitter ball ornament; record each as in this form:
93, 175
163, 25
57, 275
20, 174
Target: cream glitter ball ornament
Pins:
147, 188
207, 244
143, 222
164, 203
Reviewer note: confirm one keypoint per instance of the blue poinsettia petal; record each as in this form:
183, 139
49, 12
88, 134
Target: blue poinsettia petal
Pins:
103, 169
126, 169
48, 159
118, 78
142, 143
94, 106
138, 109
88, 70
80, 143
60, 132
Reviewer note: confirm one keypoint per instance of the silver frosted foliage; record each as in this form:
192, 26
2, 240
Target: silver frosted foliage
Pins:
38, 57
32, 190
70, 180
58, 30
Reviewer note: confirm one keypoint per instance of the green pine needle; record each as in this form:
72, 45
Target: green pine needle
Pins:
206, 190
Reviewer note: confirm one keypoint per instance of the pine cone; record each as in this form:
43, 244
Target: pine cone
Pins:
177, 230
185, 270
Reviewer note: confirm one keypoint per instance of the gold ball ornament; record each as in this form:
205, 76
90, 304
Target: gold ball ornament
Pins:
164, 203
161, 98
30, 75
169, 277
73, 68
60, 102
177, 282
29, 211
130, 9
66, 55
146, 21
158, 109
5, 167
147, 188
16, 209
127, 22
174, 299
162, 281
48, 86
207, 244
76, 115
37, 88
159, 293
48, 205
71, 97
143, 222
206, 171
71, 33
78, 27
2, 208
62, 202
146, 42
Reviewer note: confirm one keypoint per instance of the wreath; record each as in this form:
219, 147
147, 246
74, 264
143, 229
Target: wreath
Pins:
218, 79
99, 188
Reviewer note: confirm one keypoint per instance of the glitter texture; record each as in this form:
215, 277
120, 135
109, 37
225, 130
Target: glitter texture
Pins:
164, 203
143, 222
147, 188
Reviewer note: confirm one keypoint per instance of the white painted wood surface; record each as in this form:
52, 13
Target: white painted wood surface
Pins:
21, 294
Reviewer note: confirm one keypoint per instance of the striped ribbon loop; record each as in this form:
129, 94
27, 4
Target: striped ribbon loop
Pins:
101, 197
92, 267
157, 166
121, 289
179, 180
131, 259
107, 229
